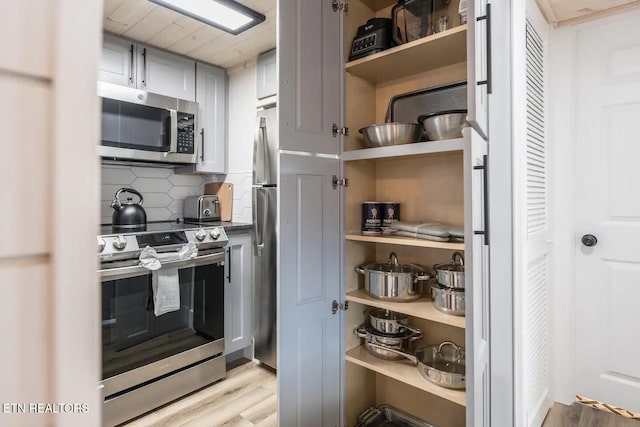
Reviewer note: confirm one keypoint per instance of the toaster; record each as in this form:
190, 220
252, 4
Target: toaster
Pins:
202, 208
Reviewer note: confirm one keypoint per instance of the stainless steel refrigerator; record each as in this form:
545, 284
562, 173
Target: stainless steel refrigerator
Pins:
265, 173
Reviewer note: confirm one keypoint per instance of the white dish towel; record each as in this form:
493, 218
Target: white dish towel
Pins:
165, 281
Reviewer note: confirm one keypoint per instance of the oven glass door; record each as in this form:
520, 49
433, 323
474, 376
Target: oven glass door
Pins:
134, 126
132, 336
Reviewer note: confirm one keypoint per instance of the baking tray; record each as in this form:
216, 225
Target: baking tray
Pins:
386, 416
406, 107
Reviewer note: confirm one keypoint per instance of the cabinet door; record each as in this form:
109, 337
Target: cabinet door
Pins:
267, 79
237, 293
166, 74
477, 271
308, 281
479, 64
117, 63
310, 69
211, 95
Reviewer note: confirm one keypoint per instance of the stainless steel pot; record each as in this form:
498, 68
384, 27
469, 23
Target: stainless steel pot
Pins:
444, 124
392, 281
450, 301
378, 344
390, 322
442, 364
394, 133
451, 275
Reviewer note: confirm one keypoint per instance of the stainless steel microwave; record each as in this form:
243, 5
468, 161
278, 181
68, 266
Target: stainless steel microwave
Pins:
142, 126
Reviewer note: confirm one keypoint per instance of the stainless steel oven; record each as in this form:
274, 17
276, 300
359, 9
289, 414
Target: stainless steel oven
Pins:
142, 126
149, 360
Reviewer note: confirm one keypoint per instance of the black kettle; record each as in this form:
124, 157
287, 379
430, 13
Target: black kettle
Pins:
129, 215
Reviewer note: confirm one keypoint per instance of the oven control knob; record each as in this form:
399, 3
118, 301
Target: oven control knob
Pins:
101, 244
215, 234
119, 242
200, 235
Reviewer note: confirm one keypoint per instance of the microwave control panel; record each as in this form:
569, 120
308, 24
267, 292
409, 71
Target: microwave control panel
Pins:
186, 133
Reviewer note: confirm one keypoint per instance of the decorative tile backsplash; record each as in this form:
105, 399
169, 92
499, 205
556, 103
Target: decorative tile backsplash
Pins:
163, 191
242, 195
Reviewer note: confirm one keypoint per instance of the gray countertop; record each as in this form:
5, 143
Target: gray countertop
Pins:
234, 227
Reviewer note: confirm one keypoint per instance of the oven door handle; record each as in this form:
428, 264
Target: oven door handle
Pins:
136, 270
173, 148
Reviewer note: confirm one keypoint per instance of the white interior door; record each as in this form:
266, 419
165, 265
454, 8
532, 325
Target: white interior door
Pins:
607, 290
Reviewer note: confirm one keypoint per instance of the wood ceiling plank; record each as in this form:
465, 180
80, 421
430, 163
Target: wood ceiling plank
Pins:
109, 6
156, 21
200, 37
570, 9
128, 14
180, 28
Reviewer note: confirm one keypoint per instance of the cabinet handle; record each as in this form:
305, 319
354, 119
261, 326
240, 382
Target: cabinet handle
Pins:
229, 264
202, 145
487, 17
485, 186
131, 64
144, 67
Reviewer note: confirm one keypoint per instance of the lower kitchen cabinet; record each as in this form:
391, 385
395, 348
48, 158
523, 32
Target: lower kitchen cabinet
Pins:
238, 293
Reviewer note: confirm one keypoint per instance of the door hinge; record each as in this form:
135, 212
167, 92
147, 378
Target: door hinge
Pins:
344, 182
336, 130
335, 306
340, 6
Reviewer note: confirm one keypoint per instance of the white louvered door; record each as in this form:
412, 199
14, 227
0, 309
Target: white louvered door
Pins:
533, 231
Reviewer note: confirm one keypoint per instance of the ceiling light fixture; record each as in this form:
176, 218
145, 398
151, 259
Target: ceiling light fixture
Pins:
226, 15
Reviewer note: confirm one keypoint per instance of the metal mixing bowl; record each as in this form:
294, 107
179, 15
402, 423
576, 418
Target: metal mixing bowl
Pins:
444, 124
394, 133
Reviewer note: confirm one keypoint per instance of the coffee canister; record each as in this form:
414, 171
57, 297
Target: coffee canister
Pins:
371, 217
390, 213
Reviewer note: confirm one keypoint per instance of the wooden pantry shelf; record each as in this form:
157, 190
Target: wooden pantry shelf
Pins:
415, 149
422, 308
405, 241
377, 5
405, 372
428, 53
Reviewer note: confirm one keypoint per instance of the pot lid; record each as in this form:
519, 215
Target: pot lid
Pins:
386, 267
445, 357
456, 264
381, 313
405, 334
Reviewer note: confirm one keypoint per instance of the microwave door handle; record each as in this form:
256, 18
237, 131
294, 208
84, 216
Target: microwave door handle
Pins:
173, 148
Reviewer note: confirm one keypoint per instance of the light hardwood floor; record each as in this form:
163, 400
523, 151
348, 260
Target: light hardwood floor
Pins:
246, 398
578, 415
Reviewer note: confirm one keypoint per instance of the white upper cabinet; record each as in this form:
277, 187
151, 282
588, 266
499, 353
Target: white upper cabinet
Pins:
117, 64
309, 57
129, 64
166, 74
211, 95
267, 77
479, 64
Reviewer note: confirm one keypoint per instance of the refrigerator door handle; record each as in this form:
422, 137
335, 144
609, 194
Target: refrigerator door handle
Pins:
258, 223
261, 154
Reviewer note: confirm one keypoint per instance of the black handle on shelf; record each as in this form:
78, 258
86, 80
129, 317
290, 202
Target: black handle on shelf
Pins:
202, 145
485, 185
487, 17
144, 66
229, 264
131, 64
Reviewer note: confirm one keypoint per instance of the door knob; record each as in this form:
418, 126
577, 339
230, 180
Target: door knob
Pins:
589, 240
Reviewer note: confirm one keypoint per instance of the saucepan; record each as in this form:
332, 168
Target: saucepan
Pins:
393, 281
390, 322
442, 364
380, 345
